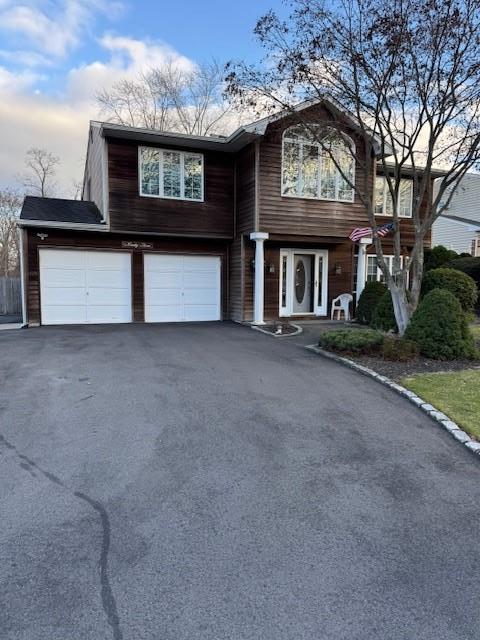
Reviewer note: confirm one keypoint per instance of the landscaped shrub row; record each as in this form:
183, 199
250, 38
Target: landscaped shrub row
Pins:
356, 341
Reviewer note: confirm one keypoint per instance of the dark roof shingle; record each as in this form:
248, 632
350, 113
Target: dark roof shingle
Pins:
60, 210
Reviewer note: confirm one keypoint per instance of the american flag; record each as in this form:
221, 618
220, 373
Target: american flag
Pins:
364, 232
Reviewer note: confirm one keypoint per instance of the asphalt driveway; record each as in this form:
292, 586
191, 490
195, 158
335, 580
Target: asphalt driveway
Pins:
209, 482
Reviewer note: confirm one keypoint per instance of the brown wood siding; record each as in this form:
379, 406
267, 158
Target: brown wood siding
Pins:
132, 212
108, 241
283, 215
301, 216
236, 280
244, 225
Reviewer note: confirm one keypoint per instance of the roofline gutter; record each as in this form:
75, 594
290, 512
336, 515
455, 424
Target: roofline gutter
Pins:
52, 224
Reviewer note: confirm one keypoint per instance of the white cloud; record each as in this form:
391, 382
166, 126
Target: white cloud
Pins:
55, 28
30, 118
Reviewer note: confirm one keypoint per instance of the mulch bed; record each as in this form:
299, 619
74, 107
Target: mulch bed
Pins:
397, 370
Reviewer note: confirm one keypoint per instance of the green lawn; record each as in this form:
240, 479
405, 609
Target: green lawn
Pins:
456, 393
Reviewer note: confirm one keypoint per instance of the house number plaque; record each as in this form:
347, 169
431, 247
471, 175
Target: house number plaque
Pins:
133, 244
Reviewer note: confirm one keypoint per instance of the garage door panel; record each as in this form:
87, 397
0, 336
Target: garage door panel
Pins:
164, 313
203, 279
96, 290
62, 258
195, 313
163, 297
60, 296
165, 279
105, 314
111, 279
163, 262
108, 261
64, 314
108, 297
54, 277
201, 296
198, 264
181, 288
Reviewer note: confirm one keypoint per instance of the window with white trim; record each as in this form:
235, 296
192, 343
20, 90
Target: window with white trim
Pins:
308, 170
374, 273
383, 198
170, 174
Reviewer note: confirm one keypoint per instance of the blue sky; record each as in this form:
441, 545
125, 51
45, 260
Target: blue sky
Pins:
55, 55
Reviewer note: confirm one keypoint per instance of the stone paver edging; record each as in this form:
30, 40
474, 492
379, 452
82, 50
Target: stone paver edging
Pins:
439, 417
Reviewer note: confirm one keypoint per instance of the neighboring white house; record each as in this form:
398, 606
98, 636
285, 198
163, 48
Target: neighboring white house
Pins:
459, 227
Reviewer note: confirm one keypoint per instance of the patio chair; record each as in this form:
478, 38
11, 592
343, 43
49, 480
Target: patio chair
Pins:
342, 303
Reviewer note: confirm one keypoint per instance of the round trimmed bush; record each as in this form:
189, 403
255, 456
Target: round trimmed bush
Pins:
437, 257
439, 327
470, 266
369, 298
383, 317
462, 286
352, 340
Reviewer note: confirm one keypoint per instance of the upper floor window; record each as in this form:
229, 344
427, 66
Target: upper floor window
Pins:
383, 198
308, 169
171, 174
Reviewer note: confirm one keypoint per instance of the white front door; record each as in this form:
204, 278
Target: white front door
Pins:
181, 288
85, 287
303, 282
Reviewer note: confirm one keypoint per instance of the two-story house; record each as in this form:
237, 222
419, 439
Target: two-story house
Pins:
173, 227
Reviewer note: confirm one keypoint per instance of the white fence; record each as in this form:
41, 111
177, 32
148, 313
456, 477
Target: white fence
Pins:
10, 296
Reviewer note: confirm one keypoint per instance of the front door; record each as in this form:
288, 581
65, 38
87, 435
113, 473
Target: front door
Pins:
303, 282
303, 265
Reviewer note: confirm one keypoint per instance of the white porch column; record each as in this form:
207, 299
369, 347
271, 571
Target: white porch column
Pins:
362, 264
259, 239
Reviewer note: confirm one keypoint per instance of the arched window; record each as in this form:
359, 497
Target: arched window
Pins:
308, 170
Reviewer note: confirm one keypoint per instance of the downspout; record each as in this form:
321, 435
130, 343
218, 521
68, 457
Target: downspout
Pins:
21, 237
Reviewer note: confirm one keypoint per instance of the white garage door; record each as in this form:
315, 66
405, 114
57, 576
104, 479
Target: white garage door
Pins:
79, 287
181, 288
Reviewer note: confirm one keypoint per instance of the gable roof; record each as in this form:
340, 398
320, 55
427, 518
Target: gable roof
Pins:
60, 210
231, 143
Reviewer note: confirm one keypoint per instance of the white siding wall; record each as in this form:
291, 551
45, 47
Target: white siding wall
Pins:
452, 235
465, 204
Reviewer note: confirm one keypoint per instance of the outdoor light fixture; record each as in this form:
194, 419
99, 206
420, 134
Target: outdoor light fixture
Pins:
338, 269
271, 268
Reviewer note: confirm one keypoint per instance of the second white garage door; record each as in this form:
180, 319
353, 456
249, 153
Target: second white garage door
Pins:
180, 288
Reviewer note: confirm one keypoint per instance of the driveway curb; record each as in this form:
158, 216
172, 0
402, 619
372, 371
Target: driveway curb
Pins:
439, 417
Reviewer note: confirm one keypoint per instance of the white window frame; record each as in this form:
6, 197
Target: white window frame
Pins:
312, 143
161, 195
389, 259
386, 193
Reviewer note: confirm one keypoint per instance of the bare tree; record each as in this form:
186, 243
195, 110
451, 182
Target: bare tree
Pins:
39, 180
409, 72
10, 205
169, 98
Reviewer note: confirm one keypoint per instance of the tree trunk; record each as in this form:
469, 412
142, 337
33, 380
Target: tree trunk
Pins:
401, 307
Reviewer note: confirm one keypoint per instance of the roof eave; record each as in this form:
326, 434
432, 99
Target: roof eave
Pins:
56, 224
